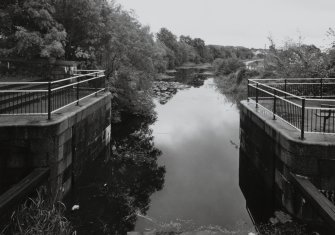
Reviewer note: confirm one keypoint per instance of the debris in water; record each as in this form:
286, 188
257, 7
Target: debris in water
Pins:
75, 207
280, 217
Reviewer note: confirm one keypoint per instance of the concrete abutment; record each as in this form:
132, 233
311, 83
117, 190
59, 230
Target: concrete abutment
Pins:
63, 144
276, 151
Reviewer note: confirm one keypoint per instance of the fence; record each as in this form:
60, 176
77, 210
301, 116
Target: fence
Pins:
307, 104
46, 98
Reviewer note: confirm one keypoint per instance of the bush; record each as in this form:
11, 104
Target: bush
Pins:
227, 66
39, 216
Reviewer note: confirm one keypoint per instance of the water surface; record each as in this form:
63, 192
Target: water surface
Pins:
198, 133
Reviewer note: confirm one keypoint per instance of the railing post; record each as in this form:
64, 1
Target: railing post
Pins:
302, 128
95, 84
248, 91
285, 87
105, 82
274, 104
49, 100
321, 87
257, 95
77, 91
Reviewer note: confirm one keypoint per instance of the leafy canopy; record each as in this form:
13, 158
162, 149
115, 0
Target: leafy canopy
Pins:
29, 30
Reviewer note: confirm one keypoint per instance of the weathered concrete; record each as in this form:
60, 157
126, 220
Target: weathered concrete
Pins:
63, 144
275, 148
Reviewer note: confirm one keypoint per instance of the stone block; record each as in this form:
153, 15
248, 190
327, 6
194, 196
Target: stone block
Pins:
65, 136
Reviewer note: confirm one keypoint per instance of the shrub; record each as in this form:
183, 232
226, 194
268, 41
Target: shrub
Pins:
38, 216
227, 66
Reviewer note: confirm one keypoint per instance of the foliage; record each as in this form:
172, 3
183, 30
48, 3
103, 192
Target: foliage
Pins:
225, 52
183, 51
169, 40
39, 216
85, 25
133, 94
233, 90
227, 66
234, 85
103, 35
296, 59
29, 30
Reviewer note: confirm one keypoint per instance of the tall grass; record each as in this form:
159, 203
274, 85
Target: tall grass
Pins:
234, 85
37, 216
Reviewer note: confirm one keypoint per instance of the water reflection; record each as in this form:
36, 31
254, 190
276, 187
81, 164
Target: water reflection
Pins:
112, 191
195, 131
267, 214
259, 199
234, 92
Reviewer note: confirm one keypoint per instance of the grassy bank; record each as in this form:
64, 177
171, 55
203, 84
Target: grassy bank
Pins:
234, 85
38, 215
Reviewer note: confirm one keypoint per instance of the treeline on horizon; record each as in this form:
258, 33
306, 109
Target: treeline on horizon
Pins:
97, 32
100, 34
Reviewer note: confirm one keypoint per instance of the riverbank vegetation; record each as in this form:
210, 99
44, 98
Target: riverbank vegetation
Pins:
100, 34
293, 59
38, 215
97, 34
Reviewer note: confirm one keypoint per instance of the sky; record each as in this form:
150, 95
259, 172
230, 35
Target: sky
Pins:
239, 22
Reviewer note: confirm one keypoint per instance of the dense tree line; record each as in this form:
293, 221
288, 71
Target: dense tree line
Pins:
99, 34
186, 49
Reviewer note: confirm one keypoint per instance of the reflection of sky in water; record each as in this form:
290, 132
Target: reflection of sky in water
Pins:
194, 130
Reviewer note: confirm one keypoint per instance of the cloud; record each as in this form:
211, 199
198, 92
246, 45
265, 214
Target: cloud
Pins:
238, 22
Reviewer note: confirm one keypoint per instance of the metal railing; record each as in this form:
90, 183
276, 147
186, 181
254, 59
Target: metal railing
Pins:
48, 97
307, 104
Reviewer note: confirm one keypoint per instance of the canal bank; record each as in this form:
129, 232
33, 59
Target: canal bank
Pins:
62, 144
284, 161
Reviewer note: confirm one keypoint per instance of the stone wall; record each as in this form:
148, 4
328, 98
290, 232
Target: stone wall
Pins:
277, 152
62, 144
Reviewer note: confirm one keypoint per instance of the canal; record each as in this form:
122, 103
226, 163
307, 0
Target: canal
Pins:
177, 171
197, 131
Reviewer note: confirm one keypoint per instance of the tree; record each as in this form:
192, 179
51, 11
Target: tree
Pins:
28, 29
168, 38
86, 22
296, 59
186, 39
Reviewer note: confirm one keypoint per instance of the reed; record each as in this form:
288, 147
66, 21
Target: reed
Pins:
39, 215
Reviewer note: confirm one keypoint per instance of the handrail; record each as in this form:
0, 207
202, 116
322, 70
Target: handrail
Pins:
53, 95
272, 95
71, 78
297, 103
22, 83
21, 91
299, 83
287, 93
83, 81
288, 79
